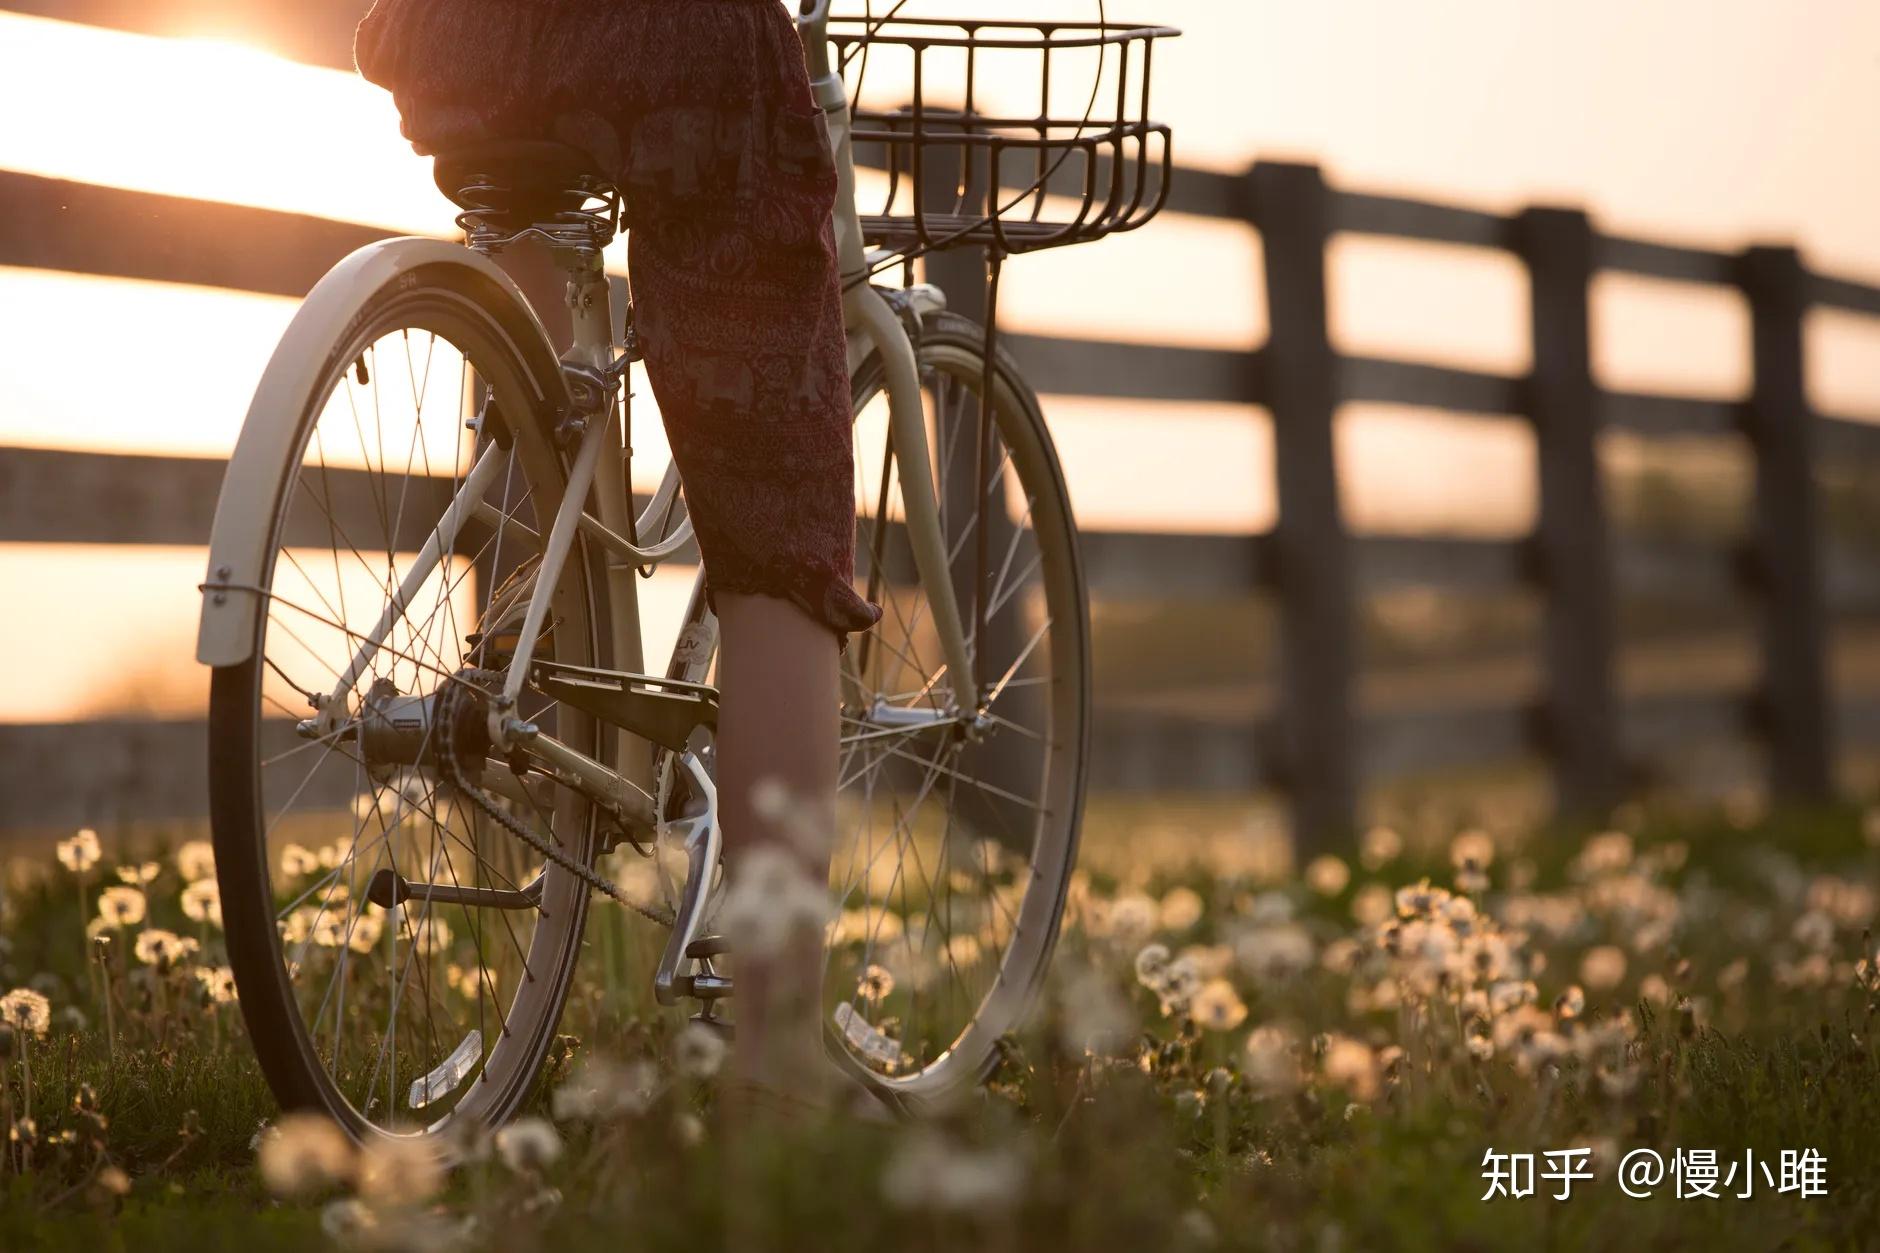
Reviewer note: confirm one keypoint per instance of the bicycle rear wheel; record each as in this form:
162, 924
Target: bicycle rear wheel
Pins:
957, 839
330, 783
955, 843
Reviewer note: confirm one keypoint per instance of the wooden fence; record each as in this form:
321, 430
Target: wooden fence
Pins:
1316, 747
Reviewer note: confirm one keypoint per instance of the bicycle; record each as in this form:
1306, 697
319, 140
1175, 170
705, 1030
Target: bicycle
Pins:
433, 734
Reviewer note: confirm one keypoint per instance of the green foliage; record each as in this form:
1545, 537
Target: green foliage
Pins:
1228, 1058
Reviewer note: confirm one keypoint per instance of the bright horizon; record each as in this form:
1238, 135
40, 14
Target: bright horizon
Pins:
1710, 124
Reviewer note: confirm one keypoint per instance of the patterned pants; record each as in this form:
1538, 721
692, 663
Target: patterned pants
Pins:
701, 112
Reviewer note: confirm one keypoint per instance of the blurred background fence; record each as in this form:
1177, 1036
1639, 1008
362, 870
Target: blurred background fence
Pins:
1316, 747
1575, 667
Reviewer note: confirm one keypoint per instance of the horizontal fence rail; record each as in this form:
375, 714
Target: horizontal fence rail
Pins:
1316, 741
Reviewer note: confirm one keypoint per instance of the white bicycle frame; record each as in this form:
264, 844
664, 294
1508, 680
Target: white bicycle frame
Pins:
239, 560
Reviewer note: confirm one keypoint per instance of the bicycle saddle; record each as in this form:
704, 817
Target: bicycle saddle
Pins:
521, 176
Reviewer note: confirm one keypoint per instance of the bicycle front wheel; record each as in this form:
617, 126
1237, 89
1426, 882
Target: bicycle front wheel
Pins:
368, 994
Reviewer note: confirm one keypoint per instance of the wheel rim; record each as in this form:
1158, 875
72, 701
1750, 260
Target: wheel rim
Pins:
408, 1018
949, 872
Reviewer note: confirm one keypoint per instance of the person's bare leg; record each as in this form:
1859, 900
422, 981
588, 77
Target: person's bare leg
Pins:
777, 729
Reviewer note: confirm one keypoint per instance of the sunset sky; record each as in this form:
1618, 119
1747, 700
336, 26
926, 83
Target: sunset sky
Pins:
1720, 123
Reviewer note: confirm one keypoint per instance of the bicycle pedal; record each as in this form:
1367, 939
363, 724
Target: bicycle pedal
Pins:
708, 946
703, 987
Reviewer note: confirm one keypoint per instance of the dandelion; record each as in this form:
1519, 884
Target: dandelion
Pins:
113, 1181
698, 1052
140, 874
1180, 909
601, 1090
202, 902
875, 984
329, 929
1351, 1065
27, 1012
1570, 1004
528, 1145
1372, 906
1472, 849
80, 853
1327, 875
218, 983
1603, 968
1420, 900
1732, 976
1814, 930
771, 899
1380, 846
1605, 853
1217, 1006
195, 860
1271, 1066
1275, 953
963, 951
1094, 1019
304, 1153
366, 930
929, 1173
1181, 980
1133, 918
157, 947
1654, 988
121, 907
348, 1221
1151, 961
399, 1171
297, 862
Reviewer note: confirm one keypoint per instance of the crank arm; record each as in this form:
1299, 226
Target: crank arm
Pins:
703, 845
389, 888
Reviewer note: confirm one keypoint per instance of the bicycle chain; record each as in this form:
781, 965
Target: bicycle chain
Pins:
487, 803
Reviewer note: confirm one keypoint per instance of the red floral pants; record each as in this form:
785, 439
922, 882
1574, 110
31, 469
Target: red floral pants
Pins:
701, 111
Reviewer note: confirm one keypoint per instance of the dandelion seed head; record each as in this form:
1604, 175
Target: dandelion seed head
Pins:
1472, 849
139, 873
298, 861
1351, 1065
1327, 875
157, 947
1272, 1062
195, 860
698, 1052
81, 852
1133, 917
528, 1145
121, 906
1151, 961
770, 899
304, 1153
1180, 910
398, 1171
1379, 847
1603, 968
1217, 1006
202, 902
1372, 905
27, 1012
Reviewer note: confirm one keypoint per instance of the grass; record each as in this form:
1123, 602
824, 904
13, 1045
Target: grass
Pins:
1324, 1077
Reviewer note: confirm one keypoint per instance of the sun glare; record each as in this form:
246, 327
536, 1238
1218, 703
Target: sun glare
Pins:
207, 118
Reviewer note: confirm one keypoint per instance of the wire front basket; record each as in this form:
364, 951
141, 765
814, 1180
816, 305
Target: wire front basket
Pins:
1009, 136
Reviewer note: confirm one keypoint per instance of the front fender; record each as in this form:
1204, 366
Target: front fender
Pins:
268, 447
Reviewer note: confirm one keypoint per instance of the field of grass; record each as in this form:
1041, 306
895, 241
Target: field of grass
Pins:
1236, 1052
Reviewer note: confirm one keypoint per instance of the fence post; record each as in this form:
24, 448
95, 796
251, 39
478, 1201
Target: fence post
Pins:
1571, 540
1792, 705
1291, 206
